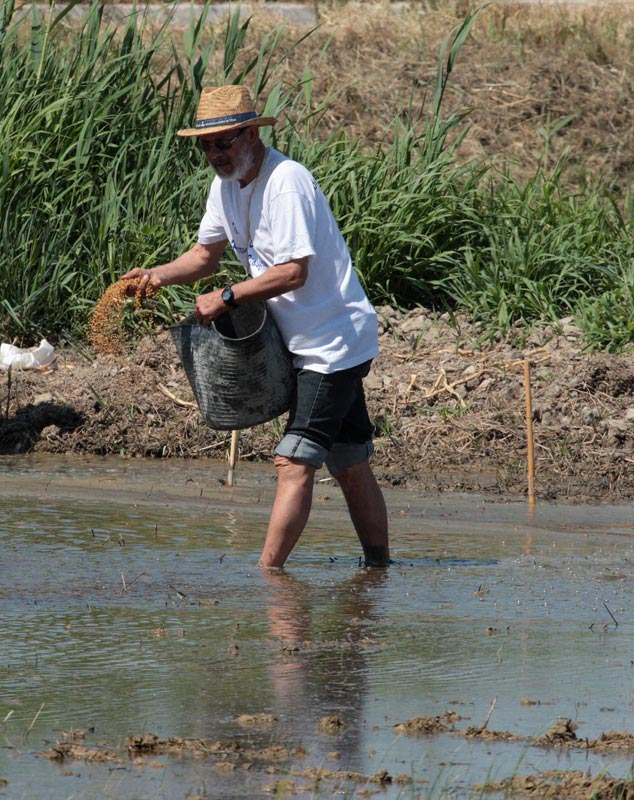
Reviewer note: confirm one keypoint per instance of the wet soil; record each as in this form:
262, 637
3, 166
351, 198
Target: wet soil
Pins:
560, 785
284, 762
449, 409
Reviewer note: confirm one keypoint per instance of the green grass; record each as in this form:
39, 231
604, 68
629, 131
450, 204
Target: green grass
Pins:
94, 181
538, 252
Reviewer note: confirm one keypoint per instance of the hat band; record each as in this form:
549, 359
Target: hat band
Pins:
234, 119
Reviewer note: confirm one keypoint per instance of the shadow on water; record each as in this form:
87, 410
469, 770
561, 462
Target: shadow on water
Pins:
133, 615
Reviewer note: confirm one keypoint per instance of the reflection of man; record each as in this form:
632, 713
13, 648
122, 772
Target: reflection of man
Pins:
279, 224
321, 667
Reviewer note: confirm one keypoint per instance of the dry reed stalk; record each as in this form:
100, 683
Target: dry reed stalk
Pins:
106, 331
529, 434
174, 398
486, 721
34, 720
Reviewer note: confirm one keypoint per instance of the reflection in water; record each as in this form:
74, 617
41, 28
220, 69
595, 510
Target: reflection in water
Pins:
322, 664
233, 527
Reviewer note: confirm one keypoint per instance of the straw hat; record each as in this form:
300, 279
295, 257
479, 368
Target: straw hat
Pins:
223, 108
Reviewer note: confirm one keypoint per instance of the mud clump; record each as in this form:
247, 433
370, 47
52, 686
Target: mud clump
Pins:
381, 778
76, 735
150, 744
256, 720
331, 724
556, 785
428, 726
474, 732
275, 753
561, 733
614, 740
71, 750
527, 702
107, 329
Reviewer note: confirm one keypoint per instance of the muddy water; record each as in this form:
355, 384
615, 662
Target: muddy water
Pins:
131, 605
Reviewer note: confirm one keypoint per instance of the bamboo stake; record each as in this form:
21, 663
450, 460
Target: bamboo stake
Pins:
529, 434
232, 457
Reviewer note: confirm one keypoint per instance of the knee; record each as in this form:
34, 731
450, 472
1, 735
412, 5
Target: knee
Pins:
353, 475
293, 470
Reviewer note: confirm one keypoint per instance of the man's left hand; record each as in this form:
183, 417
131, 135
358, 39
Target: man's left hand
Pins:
209, 307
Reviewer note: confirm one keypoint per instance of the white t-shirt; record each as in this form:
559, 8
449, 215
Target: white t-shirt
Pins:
328, 324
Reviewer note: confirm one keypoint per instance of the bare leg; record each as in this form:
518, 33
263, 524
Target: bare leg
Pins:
290, 511
367, 511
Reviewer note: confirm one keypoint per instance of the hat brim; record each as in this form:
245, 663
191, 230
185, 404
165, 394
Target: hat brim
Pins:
257, 121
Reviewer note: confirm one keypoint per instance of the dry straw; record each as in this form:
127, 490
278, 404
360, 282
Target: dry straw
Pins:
224, 108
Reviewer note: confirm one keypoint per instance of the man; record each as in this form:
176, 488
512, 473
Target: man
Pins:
278, 222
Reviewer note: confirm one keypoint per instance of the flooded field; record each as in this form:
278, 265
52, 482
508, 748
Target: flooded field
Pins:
143, 655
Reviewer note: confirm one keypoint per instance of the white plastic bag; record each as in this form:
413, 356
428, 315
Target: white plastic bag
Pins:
16, 357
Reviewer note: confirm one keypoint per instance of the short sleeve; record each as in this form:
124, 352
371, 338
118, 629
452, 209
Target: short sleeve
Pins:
293, 217
212, 228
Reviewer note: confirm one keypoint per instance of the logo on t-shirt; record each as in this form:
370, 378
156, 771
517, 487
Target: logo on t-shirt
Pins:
256, 265
239, 250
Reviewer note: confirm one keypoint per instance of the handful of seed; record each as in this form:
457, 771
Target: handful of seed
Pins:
107, 332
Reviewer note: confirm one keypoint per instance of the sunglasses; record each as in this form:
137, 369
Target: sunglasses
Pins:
219, 144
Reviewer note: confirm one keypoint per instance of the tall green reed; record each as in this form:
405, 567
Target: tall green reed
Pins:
403, 206
87, 170
536, 251
94, 181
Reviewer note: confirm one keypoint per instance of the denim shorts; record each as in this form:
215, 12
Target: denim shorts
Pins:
328, 422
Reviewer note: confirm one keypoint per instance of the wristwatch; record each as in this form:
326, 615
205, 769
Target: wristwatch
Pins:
227, 297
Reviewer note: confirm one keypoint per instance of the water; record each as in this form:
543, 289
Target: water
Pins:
131, 604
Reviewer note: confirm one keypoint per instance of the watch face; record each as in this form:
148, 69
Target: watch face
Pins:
227, 296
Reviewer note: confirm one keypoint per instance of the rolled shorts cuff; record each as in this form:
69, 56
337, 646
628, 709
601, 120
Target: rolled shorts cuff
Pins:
341, 456
301, 449
344, 455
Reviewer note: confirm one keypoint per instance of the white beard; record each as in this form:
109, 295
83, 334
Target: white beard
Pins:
242, 164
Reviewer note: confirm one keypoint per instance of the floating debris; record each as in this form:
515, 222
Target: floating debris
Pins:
256, 720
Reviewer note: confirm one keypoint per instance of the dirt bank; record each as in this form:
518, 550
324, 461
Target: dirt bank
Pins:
449, 410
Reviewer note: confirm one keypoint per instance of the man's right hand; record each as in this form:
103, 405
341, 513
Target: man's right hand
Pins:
143, 282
